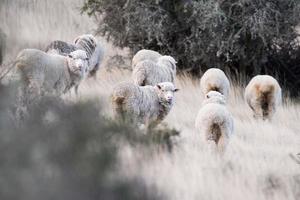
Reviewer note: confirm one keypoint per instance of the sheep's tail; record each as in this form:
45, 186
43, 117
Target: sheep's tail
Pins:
215, 133
213, 87
266, 95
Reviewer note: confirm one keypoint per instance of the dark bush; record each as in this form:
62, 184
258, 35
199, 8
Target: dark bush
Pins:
244, 36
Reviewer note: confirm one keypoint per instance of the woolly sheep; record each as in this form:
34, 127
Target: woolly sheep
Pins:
263, 95
144, 105
60, 47
145, 54
86, 42
148, 72
214, 122
47, 74
215, 80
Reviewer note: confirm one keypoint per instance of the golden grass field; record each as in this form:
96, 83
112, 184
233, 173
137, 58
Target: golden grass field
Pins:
261, 158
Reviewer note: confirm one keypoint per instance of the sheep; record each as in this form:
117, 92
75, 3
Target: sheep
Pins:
148, 72
86, 42
145, 54
48, 74
143, 105
60, 47
263, 95
214, 122
215, 80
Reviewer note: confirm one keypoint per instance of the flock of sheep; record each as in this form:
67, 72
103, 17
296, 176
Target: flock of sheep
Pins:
149, 98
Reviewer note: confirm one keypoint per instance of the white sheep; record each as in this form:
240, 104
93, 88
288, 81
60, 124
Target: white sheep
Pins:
215, 80
145, 54
144, 105
48, 74
86, 42
148, 72
214, 122
94, 49
263, 95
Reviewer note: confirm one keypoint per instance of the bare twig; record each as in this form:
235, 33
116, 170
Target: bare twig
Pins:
6, 68
296, 157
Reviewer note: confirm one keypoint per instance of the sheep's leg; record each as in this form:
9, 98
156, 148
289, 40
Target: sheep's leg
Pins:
210, 139
212, 147
258, 110
224, 138
21, 108
76, 89
93, 72
28, 93
271, 110
222, 144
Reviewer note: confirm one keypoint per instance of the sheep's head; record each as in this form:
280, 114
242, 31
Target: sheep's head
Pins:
168, 60
78, 63
86, 42
214, 97
165, 92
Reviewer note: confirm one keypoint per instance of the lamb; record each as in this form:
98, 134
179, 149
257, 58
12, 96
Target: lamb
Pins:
148, 72
145, 54
215, 80
143, 105
47, 74
214, 122
86, 42
263, 95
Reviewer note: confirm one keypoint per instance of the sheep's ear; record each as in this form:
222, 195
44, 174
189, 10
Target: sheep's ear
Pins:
176, 90
174, 65
158, 86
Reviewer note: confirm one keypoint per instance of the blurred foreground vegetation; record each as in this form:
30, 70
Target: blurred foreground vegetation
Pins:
68, 151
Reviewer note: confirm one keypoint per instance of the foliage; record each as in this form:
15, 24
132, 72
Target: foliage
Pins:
248, 36
64, 151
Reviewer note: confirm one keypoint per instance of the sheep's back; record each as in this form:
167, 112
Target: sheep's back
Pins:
154, 73
145, 54
214, 114
60, 47
263, 84
214, 80
36, 65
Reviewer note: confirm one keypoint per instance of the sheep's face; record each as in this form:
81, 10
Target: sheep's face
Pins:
78, 63
214, 97
166, 92
169, 60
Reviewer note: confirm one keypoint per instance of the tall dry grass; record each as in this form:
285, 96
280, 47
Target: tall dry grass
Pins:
258, 164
